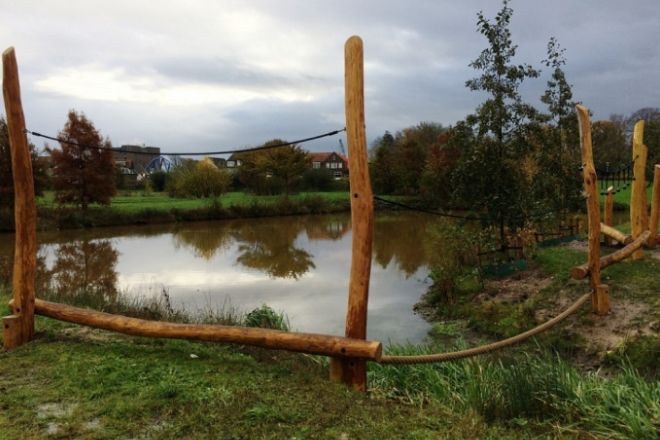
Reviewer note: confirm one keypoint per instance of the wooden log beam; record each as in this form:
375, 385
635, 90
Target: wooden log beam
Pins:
608, 215
581, 272
638, 193
354, 372
25, 211
591, 191
610, 232
292, 341
655, 207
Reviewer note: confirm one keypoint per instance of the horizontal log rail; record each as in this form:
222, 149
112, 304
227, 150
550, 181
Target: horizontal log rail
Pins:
615, 234
581, 272
311, 343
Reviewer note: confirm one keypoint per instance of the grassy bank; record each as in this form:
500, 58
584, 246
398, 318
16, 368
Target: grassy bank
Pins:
73, 382
138, 208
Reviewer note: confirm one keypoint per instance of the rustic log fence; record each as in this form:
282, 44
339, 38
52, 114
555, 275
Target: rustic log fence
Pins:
349, 354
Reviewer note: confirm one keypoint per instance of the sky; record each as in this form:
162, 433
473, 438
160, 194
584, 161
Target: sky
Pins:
202, 75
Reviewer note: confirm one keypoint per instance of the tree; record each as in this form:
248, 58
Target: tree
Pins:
198, 179
559, 157
490, 176
273, 170
83, 172
286, 163
39, 173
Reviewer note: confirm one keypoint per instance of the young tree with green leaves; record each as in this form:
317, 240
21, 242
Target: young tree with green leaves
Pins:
489, 176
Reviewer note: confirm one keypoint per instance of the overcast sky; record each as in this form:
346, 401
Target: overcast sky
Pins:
199, 75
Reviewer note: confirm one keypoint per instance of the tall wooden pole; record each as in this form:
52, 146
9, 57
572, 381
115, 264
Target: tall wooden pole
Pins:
599, 299
354, 372
19, 328
638, 213
655, 207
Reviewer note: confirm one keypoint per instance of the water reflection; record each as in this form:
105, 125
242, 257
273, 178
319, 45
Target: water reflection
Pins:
84, 268
299, 265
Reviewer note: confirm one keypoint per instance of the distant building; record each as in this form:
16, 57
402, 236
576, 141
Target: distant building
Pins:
233, 161
331, 161
135, 157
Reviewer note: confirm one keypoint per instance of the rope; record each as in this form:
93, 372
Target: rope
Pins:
455, 355
195, 153
468, 217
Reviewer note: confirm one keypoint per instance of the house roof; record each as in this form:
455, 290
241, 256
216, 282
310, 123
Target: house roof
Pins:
325, 155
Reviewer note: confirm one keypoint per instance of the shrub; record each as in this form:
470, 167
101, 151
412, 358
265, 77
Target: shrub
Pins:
158, 180
198, 179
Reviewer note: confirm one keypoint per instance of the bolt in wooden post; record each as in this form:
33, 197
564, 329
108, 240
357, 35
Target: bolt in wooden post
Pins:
593, 211
25, 211
655, 207
609, 212
353, 372
638, 213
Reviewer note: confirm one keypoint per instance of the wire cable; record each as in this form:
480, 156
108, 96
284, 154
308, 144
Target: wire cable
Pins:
194, 153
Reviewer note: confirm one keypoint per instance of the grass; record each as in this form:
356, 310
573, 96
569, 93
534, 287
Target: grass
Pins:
135, 201
622, 197
77, 383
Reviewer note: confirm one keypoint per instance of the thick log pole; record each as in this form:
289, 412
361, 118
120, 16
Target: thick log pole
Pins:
25, 211
655, 207
638, 192
275, 339
354, 372
602, 305
612, 233
608, 214
581, 272
593, 211
11, 331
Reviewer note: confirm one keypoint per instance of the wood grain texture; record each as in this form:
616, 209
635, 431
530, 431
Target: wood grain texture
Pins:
612, 233
638, 192
354, 372
601, 305
25, 211
582, 271
655, 207
11, 331
292, 341
591, 193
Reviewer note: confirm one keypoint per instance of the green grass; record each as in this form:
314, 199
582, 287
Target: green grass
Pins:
76, 383
622, 198
135, 201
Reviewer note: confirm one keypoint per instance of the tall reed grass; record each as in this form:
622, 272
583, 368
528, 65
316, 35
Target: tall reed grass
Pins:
540, 387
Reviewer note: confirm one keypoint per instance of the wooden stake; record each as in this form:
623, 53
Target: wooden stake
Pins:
655, 207
638, 193
591, 190
609, 213
601, 301
25, 212
353, 372
11, 331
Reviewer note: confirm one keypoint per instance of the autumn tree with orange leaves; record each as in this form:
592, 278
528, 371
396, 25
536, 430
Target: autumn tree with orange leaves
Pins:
83, 167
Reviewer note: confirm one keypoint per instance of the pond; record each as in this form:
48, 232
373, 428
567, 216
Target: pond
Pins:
297, 265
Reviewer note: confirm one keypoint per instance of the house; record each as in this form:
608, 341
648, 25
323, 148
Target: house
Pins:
135, 157
233, 161
331, 161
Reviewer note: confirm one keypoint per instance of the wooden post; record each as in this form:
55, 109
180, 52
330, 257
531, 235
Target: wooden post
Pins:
602, 300
11, 331
609, 212
638, 192
354, 372
25, 211
593, 211
655, 207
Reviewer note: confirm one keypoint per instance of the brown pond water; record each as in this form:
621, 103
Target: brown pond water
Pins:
298, 265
